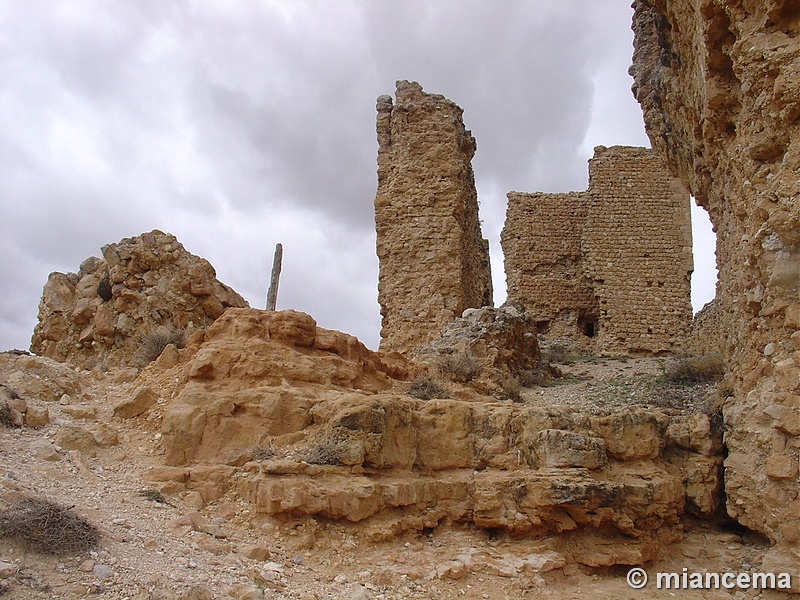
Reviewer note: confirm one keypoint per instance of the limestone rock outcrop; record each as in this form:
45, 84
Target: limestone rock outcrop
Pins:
485, 345
101, 314
434, 262
251, 379
302, 422
719, 84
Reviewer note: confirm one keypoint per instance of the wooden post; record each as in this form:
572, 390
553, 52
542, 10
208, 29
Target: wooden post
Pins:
272, 294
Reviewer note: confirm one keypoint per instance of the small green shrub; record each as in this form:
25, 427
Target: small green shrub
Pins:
706, 368
426, 387
153, 342
461, 367
47, 527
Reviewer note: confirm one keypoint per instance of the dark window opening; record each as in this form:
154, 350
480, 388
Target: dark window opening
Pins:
587, 325
542, 326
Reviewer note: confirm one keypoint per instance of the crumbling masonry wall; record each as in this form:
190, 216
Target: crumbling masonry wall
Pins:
544, 263
608, 268
434, 262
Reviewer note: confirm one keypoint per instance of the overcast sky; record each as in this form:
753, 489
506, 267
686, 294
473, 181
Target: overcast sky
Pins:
237, 125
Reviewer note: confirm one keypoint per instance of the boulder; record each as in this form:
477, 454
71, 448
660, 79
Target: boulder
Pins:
137, 404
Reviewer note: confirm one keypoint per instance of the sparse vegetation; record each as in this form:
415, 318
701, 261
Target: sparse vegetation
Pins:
47, 527
542, 376
153, 342
555, 353
690, 370
461, 367
260, 453
509, 388
7, 416
155, 496
426, 387
326, 450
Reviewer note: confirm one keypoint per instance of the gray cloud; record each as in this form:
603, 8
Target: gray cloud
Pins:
239, 125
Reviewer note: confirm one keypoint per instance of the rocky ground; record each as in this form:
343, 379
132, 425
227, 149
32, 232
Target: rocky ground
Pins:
155, 547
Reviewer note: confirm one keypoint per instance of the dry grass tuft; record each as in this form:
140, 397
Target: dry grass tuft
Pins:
542, 376
555, 353
260, 453
153, 342
328, 449
426, 387
47, 527
155, 496
7, 416
461, 367
509, 388
690, 370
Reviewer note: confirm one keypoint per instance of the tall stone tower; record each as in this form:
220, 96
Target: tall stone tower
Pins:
608, 268
434, 262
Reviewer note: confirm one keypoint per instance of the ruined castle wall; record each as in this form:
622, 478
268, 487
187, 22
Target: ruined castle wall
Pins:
706, 331
608, 268
638, 247
544, 266
719, 86
434, 262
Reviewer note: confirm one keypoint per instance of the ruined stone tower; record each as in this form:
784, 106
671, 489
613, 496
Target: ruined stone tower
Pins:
434, 262
608, 268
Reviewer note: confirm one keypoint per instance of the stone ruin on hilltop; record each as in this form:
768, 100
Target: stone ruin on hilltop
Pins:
608, 269
725, 119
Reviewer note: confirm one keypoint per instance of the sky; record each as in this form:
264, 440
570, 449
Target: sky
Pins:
239, 125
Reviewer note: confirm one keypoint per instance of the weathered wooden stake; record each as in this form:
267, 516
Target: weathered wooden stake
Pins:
272, 294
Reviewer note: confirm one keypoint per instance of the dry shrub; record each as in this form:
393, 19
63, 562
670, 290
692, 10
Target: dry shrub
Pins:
152, 343
328, 449
542, 376
426, 387
155, 496
260, 453
47, 527
7, 416
509, 388
462, 367
706, 368
555, 353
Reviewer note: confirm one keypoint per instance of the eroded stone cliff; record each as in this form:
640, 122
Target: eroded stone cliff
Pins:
719, 84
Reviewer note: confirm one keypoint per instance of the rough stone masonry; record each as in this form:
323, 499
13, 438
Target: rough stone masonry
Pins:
434, 262
608, 268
